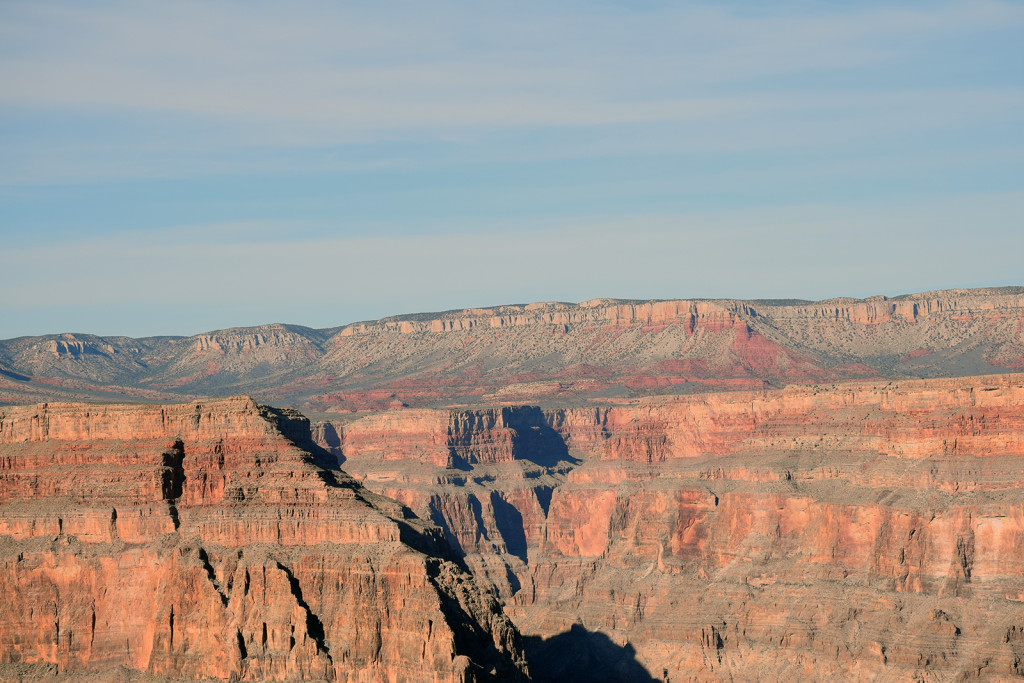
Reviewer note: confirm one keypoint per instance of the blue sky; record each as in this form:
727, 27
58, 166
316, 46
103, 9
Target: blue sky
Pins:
170, 168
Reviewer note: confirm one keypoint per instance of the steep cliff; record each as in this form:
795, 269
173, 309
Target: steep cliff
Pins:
216, 540
859, 530
544, 352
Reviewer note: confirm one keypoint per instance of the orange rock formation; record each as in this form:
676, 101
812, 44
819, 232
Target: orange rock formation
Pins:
635, 526
206, 540
836, 531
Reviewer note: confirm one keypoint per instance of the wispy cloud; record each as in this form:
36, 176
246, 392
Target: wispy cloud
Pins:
321, 162
316, 74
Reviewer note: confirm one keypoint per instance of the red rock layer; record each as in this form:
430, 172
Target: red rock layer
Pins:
908, 419
840, 531
201, 540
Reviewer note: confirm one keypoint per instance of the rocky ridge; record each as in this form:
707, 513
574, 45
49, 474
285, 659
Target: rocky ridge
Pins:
215, 540
543, 352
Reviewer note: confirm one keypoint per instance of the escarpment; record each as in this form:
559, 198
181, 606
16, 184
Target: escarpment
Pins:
857, 530
551, 353
215, 540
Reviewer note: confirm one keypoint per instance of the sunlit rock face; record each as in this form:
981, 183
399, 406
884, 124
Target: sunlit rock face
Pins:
860, 530
215, 540
836, 531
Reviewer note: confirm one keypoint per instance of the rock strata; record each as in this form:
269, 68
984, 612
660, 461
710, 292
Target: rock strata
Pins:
553, 353
869, 530
215, 540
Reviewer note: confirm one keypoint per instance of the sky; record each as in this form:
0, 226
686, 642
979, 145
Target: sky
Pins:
173, 168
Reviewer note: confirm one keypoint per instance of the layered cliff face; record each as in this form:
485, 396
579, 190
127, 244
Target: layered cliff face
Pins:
864, 530
546, 352
210, 540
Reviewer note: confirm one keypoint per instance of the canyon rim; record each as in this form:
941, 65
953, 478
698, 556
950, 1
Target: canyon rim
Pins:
664, 490
450, 342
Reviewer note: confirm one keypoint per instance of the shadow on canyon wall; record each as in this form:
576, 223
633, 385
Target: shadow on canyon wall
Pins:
510, 525
535, 439
582, 655
331, 441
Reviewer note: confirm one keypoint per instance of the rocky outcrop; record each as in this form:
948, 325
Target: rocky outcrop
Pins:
556, 353
215, 540
859, 530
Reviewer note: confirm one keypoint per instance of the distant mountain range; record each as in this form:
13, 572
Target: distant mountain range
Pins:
599, 350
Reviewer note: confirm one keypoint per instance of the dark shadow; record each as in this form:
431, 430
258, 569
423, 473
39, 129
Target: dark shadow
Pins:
478, 517
534, 438
14, 375
543, 494
582, 655
333, 440
172, 480
314, 627
438, 519
510, 525
513, 581
457, 462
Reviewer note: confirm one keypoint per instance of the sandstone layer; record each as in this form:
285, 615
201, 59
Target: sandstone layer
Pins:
544, 352
868, 530
215, 540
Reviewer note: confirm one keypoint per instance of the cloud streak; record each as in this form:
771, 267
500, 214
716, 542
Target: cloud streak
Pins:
327, 74
179, 166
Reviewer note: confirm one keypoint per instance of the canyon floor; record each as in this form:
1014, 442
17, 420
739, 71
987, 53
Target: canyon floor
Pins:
607, 491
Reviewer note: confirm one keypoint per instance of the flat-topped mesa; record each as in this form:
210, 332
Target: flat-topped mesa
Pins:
969, 303
238, 417
408, 434
597, 311
611, 311
206, 540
